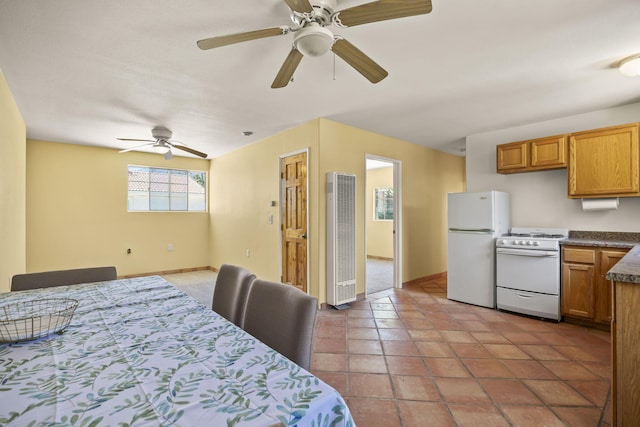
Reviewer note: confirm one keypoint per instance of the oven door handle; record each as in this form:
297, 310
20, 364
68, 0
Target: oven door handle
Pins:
528, 253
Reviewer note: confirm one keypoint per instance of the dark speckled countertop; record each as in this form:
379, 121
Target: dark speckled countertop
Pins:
628, 268
609, 239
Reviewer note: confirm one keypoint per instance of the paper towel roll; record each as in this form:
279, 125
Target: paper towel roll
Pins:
599, 204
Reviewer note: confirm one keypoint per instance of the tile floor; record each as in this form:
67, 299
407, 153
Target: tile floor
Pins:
411, 357
379, 275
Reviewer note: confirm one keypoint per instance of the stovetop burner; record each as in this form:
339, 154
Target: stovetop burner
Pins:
536, 235
533, 238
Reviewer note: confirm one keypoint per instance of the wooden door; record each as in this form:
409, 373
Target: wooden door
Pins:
608, 258
294, 220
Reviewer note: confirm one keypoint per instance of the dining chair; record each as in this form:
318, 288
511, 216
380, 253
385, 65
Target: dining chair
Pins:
283, 317
230, 293
47, 279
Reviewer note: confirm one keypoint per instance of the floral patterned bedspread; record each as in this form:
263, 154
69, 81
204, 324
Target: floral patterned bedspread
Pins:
140, 352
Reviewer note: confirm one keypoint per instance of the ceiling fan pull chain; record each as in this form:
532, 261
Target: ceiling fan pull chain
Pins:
334, 66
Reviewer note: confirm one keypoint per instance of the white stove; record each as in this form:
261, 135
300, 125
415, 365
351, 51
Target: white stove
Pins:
528, 271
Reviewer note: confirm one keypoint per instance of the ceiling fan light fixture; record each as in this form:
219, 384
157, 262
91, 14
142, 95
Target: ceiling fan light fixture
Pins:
313, 40
630, 66
161, 148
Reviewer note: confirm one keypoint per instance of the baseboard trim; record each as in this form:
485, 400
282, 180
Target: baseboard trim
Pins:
381, 258
162, 273
419, 280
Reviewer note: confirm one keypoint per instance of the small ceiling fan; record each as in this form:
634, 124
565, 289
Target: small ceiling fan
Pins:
162, 143
312, 38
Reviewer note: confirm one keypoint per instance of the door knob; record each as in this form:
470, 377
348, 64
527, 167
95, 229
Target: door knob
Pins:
304, 235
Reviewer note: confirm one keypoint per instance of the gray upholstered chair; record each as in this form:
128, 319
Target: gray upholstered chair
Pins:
47, 279
282, 317
230, 292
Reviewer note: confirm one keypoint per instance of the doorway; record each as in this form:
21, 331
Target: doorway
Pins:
294, 220
382, 224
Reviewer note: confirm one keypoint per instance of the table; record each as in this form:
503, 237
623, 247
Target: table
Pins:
140, 352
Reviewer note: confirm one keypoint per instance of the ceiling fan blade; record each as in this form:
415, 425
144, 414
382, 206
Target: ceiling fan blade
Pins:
137, 146
359, 61
288, 68
190, 150
299, 5
133, 139
241, 37
381, 10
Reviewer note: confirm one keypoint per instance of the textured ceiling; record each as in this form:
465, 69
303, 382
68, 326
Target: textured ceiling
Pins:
90, 71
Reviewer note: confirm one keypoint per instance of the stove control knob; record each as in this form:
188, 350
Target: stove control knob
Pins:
536, 243
529, 243
502, 242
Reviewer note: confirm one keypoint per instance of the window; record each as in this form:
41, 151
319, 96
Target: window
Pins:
383, 199
158, 189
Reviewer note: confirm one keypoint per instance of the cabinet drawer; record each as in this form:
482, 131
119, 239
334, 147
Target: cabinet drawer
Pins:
583, 256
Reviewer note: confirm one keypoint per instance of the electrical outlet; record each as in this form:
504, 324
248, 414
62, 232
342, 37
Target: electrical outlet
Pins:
248, 253
270, 219
169, 247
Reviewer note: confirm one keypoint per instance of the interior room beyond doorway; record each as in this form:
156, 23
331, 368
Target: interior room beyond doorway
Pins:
380, 215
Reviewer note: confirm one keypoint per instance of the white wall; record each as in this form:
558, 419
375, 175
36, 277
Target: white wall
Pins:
540, 198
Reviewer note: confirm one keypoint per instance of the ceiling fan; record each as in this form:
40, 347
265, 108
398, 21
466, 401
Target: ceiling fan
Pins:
312, 38
162, 143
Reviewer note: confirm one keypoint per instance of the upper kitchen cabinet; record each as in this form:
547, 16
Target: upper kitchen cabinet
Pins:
604, 162
532, 155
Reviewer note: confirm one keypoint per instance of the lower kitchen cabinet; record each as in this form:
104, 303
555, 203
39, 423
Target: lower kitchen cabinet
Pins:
625, 341
608, 258
586, 293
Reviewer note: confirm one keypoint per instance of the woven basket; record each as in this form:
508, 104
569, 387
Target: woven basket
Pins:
27, 320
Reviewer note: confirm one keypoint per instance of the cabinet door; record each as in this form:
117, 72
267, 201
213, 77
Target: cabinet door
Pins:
549, 153
511, 157
626, 376
578, 290
604, 162
608, 258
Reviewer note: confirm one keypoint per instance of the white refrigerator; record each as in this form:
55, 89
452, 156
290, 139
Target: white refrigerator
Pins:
475, 220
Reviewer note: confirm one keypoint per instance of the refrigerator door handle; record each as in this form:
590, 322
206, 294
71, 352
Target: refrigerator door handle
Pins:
471, 231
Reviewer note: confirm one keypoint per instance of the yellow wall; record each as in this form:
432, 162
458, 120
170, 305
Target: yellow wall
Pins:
76, 206
77, 213
244, 181
12, 188
427, 176
379, 233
